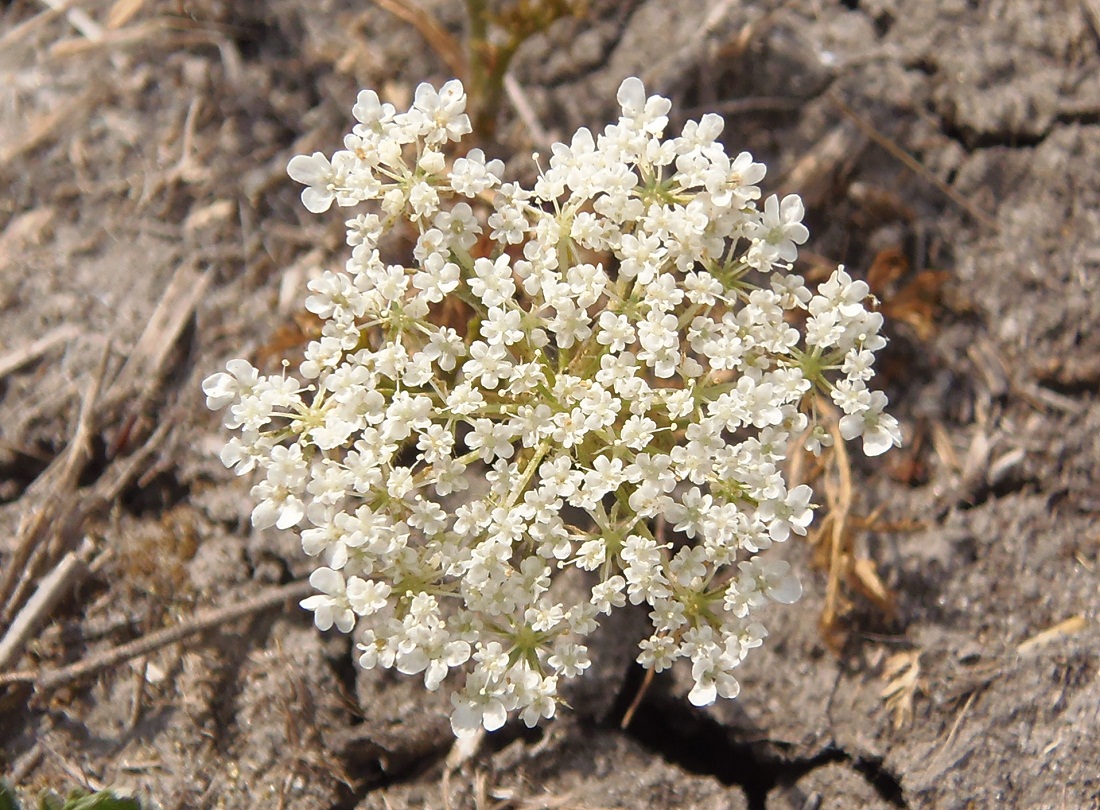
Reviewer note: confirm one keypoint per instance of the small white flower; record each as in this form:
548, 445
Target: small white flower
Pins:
778, 233
794, 513
879, 430
473, 175
317, 174
773, 578
331, 606
367, 596
223, 388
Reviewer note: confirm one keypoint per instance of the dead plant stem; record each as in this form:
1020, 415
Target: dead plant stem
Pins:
50, 679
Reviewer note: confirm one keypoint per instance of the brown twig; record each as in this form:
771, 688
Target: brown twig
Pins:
647, 681
50, 679
910, 162
26, 763
816, 173
439, 38
167, 32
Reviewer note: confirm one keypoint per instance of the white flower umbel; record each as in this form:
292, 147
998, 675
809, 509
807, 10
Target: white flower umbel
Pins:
624, 349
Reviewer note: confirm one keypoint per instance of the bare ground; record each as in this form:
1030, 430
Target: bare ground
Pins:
950, 151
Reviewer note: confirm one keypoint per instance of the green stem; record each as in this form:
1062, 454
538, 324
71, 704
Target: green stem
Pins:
486, 65
528, 474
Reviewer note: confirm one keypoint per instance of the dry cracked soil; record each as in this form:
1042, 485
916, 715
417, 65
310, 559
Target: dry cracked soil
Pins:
948, 150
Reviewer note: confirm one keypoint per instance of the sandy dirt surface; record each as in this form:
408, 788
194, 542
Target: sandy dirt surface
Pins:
948, 151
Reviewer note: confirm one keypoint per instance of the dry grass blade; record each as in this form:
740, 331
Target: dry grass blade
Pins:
47, 680
173, 311
78, 18
72, 568
835, 535
56, 486
56, 525
628, 715
22, 767
838, 493
18, 358
1068, 627
918, 301
165, 33
65, 118
122, 12
435, 34
865, 579
958, 723
28, 27
518, 96
29, 228
902, 676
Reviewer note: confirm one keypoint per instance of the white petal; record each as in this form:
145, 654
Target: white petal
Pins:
327, 581
787, 591
791, 210
434, 675
851, 426
710, 127
456, 653
265, 514
291, 513
345, 621
243, 371
877, 440
495, 715
730, 688
882, 436
310, 170
631, 96
425, 98
322, 611
316, 201
704, 693
465, 720
220, 390
771, 211
367, 108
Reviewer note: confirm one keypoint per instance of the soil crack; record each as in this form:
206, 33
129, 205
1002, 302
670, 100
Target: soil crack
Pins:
686, 737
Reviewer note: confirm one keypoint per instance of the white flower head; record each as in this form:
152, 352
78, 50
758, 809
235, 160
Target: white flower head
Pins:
540, 379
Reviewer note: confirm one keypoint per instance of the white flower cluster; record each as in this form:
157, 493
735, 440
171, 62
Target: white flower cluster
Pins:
628, 362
